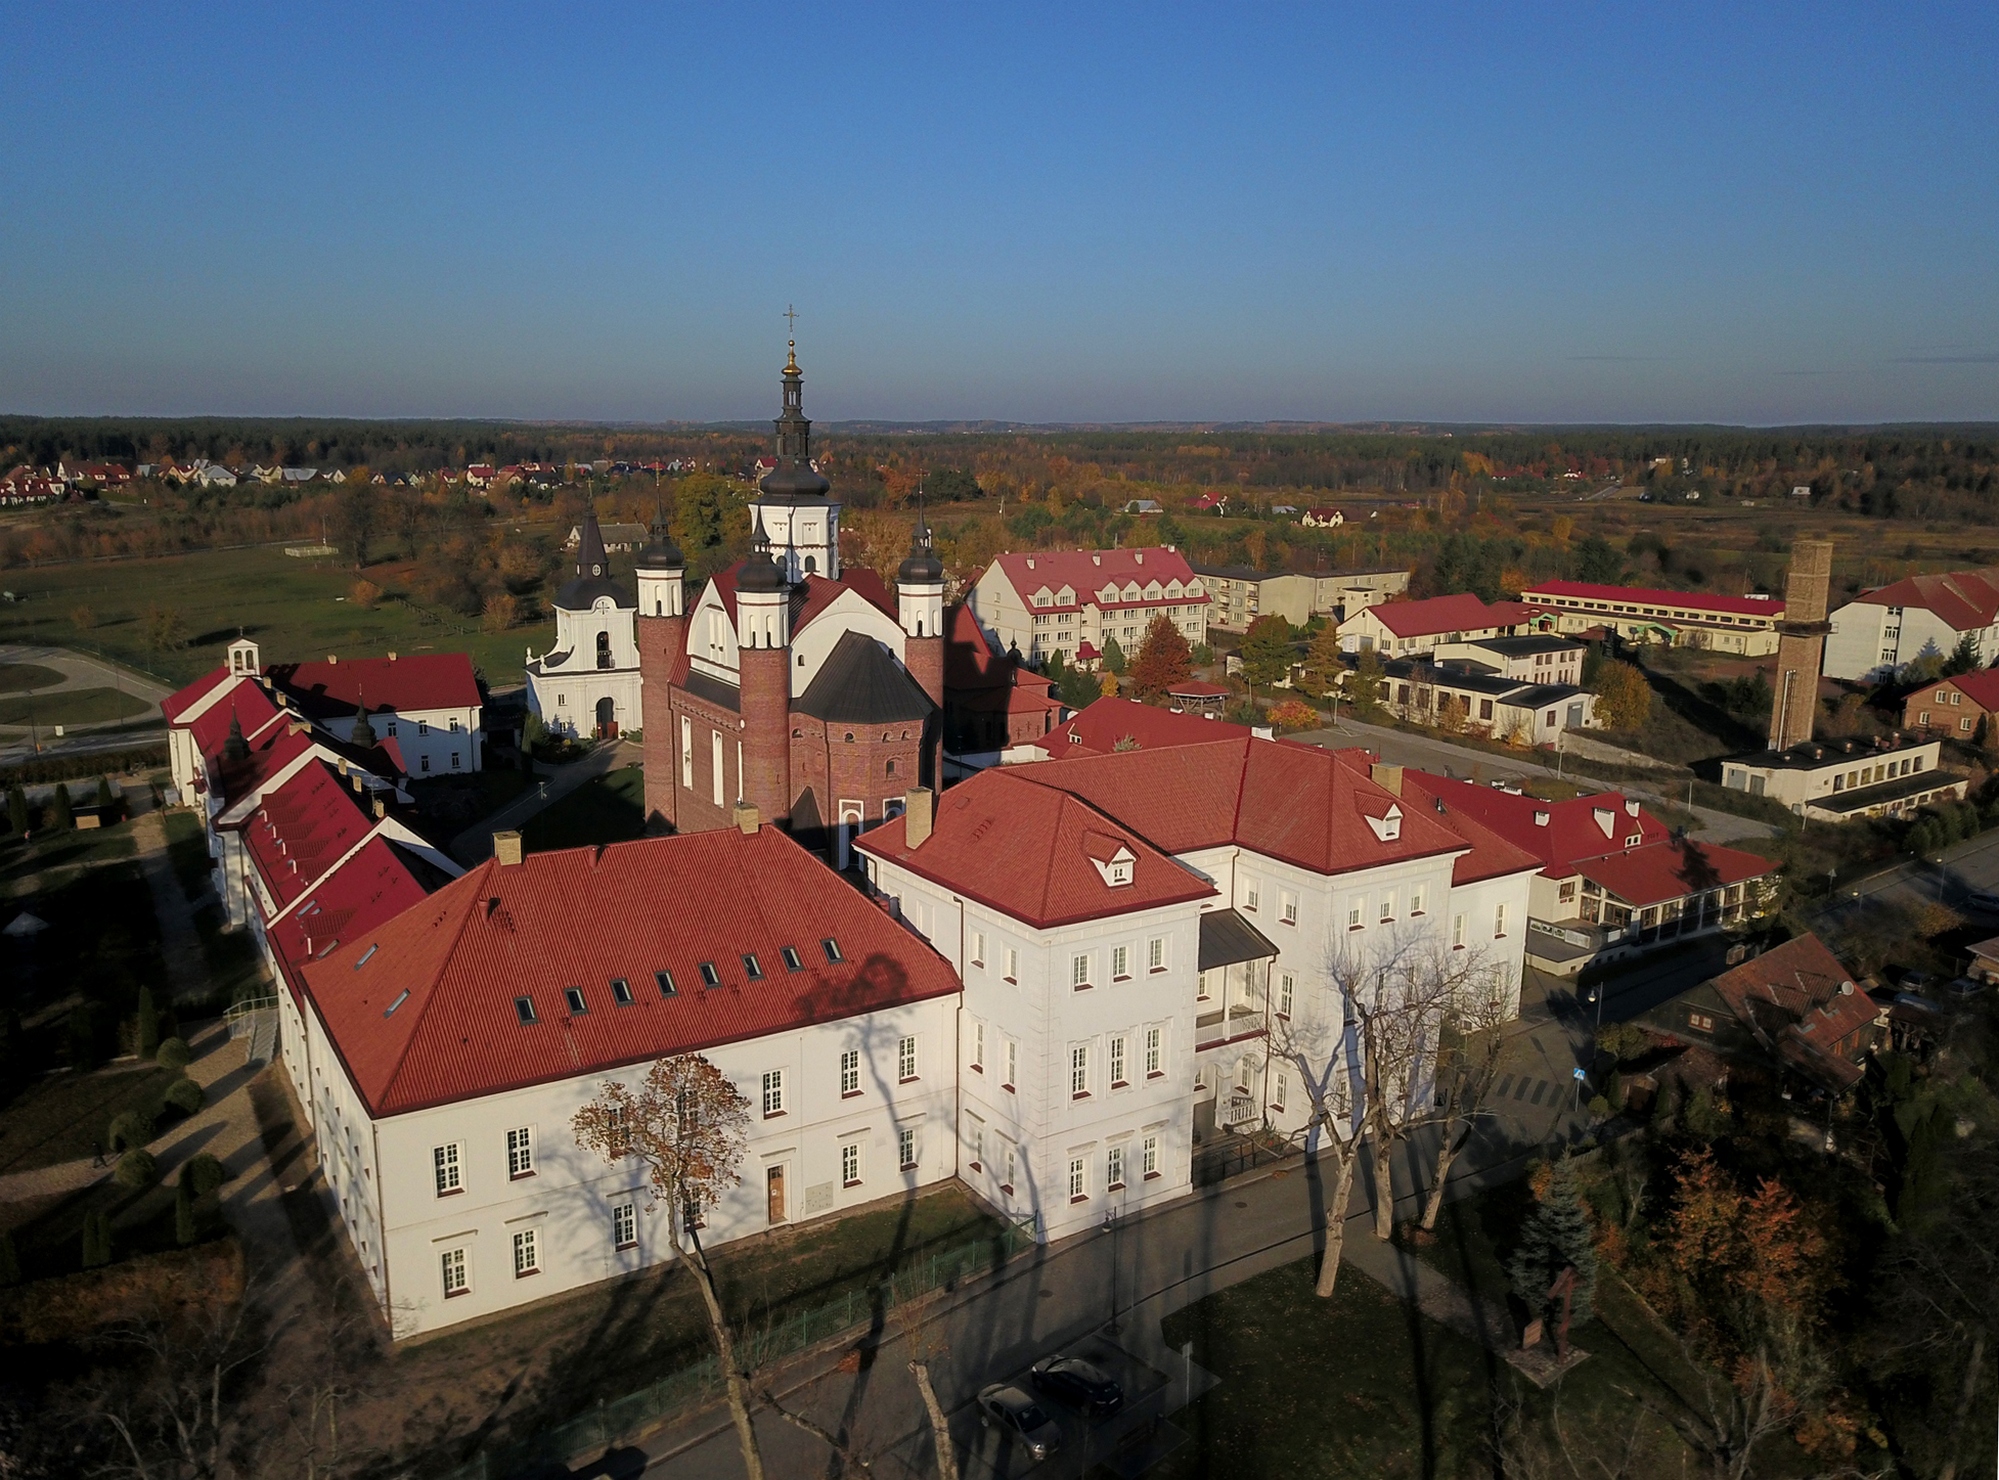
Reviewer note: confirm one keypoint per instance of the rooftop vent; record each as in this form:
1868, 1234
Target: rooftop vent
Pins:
1540, 818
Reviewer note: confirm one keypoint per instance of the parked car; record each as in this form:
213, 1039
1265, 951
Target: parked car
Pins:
1911, 980
1984, 900
1021, 1417
1078, 1383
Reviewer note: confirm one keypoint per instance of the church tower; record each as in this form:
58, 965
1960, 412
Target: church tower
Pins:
800, 520
763, 636
662, 632
919, 600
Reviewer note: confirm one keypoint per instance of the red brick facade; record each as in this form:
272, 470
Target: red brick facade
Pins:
661, 642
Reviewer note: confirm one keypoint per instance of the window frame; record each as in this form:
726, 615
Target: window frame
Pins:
448, 1170
850, 1073
527, 1252
520, 1153
624, 1220
773, 1093
1079, 1071
850, 1164
907, 1067
457, 1261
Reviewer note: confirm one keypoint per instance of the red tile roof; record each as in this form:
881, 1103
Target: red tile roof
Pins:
1980, 687
1087, 572
261, 719
420, 681
1439, 614
582, 916
1964, 600
1027, 851
1491, 856
180, 701
1693, 601
1575, 829
1672, 870
1097, 729
302, 828
1798, 1000
372, 887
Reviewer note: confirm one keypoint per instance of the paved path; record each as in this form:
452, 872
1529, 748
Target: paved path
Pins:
1433, 1292
475, 844
1972, 865
1434, 753
79, 671
180, 942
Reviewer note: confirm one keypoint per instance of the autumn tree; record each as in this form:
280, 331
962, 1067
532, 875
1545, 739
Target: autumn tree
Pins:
1293, 714
1266, 649
358, 513
1323, 663
687, 1124
1164, 659
1623, 697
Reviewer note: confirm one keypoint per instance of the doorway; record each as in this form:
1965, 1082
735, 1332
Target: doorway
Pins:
774, 1193
607, 719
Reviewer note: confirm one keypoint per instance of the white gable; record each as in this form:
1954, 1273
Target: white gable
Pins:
1388, 826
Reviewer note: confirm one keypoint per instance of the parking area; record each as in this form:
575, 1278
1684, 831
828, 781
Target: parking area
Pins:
1127, 1443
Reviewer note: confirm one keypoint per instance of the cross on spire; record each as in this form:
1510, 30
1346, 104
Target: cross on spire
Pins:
790, 319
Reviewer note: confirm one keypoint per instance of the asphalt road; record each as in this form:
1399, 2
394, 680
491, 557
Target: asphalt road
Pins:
1947, 877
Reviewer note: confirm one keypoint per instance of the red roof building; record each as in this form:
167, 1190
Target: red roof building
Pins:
1124, 724
1046, 602
1742, 625
1412, 628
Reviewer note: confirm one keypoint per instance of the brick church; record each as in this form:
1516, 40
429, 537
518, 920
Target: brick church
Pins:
806, 689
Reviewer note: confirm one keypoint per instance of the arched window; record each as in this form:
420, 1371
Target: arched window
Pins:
811, 564
891, 768
603, 650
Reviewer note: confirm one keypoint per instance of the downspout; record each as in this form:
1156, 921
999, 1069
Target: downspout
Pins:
381, 1223
958, 1074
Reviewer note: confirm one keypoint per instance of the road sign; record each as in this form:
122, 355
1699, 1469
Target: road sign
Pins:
1578, 1074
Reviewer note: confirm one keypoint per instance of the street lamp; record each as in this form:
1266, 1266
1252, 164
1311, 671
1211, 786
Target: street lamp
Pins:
1111, 1228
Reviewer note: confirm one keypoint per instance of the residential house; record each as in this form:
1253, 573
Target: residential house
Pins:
617, 537
1470, 698
1743, 625
1954, 706
1049, 602
1240, 594
1918, 616
1409, 629
1839, 780
1539, 659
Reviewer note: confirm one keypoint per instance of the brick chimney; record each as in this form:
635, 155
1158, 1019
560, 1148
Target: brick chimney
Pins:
1387, 777
746, 819
507, 847
919, 815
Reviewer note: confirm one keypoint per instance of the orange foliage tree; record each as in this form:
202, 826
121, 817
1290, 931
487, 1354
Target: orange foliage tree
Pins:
1164, 659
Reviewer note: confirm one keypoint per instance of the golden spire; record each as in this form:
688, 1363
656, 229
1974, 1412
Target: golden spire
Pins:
791, 357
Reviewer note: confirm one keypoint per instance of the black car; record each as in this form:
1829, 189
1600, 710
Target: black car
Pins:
1078, 1383
1022, 1417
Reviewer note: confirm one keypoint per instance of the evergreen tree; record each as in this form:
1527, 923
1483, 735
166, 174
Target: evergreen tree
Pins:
1323, 662
17, 810
107, 799
1266, 650
1556, 1234
1114, 658
96, 1238
184, 1209
148, 1028
1365, 683
65, 810
1597, 561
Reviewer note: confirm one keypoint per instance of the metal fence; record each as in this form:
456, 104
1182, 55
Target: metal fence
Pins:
617, 1420
1237, 1154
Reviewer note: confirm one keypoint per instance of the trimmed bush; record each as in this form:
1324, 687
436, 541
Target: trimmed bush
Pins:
185, 1095
65, 810
129, 1130
184, 1229
136, 1169
207, 1172
173, 1054
96, 1238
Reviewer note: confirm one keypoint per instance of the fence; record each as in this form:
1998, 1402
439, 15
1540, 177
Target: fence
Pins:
1238, 1154
615, 1420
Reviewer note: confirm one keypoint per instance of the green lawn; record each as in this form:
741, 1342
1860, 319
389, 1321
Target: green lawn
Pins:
296, 609
187, 850
53, 851
72, 707
606, 809
15, 677
63, 1117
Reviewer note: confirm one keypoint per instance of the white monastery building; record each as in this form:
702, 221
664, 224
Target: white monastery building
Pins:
1919, 616
1053, 602
588, 683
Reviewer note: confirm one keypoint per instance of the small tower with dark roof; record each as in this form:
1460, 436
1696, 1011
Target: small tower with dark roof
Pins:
662, 636
763, 657
919, 600
793, 500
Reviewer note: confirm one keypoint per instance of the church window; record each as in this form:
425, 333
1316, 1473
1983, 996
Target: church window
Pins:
562, 701
444, 1160
665, 980
891, 768
454, 760
454, 727
752, 968
832, 949
625, 1224
710, 977
524, 1008
687, 753
792, 960
621, 990
886, 737
850, 1164
574, 997
811, 564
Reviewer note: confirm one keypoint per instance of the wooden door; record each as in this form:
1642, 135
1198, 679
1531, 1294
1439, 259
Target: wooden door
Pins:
774, 1193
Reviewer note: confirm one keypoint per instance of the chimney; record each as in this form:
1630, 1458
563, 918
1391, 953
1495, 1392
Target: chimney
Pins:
355, 777
381, 807
299, 727
1540, 819
1387, 777
1631, 806
332, 658
392, 657
919, 817
747, 821
340, 765
507, 847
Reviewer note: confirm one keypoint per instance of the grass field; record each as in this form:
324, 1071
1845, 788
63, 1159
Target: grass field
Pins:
16, 677
296, 609
63, 1118
608, 809
72, 707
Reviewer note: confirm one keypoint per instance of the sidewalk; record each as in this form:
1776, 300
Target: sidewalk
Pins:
475, 844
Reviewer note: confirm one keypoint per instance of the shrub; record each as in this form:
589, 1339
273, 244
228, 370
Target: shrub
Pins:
184, 1210
1599, 1108
129, 1129
185, 1095
65, 810
207, 1173
1294, 714
147, 1033
1704, 1115
107, 800
96, 1238
137, 1168
173, 1054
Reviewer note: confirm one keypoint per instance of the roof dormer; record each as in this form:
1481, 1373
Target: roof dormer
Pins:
1606, 820
1112, 858
1066, 596
1388, 826
1042, 597
1131, 590
1152, 591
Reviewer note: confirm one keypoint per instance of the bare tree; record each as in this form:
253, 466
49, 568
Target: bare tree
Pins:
926, 1346
1471, 1042
1314, 1044
688, 1123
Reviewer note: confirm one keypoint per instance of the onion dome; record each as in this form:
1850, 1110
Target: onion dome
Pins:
922, 567
794, 480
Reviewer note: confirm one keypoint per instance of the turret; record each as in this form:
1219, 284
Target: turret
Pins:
763, 656
662, 636
793, 502
919, 600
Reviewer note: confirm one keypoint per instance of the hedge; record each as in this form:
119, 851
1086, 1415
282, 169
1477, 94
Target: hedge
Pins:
185, 1095
81, 767
137, 1168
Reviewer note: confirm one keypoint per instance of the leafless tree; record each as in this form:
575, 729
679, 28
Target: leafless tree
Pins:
1471, 1042
1313, 1042
926, 1346
688, 1124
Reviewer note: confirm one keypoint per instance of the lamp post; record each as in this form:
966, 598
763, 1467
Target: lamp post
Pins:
1111, 1228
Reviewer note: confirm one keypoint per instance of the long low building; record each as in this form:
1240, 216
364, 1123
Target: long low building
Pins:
1840, 780
1744, 625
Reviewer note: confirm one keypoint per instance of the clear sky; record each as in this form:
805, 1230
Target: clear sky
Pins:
1600, 213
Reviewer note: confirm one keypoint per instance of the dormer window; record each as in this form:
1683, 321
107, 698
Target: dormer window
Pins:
665, 980
710, 977
621, 991
1042, 598
1388, 826
792, 961
752, 968
1116, 869
524, 1010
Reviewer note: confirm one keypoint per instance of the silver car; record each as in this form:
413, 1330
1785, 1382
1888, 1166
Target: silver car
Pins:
1021, 1417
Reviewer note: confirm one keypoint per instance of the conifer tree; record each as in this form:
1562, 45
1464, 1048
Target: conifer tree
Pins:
107, 799
1323, 665
65, 810
1114, 660
17, 811
148, 1032
1556, 1234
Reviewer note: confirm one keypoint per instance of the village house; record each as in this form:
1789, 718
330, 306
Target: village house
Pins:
1467, 698
1957, 706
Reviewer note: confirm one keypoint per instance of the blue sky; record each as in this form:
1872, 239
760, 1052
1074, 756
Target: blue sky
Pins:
1602, 213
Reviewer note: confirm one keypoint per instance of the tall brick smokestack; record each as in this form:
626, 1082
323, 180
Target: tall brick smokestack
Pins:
1801, 643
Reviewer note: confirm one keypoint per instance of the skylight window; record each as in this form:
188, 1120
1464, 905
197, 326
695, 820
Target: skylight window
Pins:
752, 968
621, 991
401, 997
832, 949
792, 960
524, 1009
366, 954
665, 980
710, 977
574, 997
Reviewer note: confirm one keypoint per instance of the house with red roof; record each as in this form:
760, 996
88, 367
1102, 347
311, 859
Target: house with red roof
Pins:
444, 1049
1138, 929
1793, 1015
1613, 880
1407, 629
1124, 724
1743, 625
1050, 602
1918, 616
1954, 706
